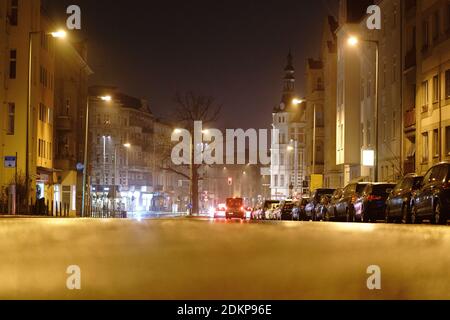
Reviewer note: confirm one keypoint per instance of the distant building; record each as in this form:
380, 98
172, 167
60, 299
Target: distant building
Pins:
121, 153
288, 167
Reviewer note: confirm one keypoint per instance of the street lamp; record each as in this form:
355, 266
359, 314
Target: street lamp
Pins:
297, 102
57, 34
86, 136
353, 42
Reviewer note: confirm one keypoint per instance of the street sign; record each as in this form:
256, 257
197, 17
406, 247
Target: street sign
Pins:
10, 162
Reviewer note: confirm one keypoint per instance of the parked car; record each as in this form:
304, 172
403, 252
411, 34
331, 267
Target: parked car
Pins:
330, 212
432, 200
314, 201
371, 205
285, 211
266, 213
344, 208
321, 208
398, 204
298, 212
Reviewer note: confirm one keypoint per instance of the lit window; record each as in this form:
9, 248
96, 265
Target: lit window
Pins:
11, 119
425, 147
13, 64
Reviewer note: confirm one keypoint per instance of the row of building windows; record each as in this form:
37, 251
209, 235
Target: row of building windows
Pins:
45, 149
45, 114
435, 90
46, 78
434, 145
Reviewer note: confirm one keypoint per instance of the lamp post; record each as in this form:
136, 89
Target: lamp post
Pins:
61, 34
86, 136
353, 42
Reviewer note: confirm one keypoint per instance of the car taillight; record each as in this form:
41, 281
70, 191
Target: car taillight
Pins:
374, 198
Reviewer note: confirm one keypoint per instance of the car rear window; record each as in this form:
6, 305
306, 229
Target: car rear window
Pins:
360, 188
325, 192
381, 190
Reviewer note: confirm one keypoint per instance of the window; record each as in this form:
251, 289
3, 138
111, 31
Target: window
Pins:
275, 180
447, 84
425, 39
435, 89
436, 20
394, 125
447, 140
425, 149
11, 119
436, 143
12, 64
369, 137
425, 96
42, 113
282, 184
14, 16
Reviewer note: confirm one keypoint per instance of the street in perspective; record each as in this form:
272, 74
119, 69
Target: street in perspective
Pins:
284, 150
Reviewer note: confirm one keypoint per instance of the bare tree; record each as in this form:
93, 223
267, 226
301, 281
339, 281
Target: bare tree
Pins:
190, 107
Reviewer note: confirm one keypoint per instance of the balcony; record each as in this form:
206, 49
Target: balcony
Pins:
410, 120
64, 123
410, 59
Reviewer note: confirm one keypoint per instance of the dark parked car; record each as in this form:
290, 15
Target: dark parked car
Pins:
310, 209
330, 212
345, 210
398, 205
321, 208
371, 206
298, 212
432, 200
285, 211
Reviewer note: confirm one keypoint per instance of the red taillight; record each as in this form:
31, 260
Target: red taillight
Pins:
374, 198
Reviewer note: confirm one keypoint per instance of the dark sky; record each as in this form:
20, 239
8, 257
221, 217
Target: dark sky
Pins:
232, 50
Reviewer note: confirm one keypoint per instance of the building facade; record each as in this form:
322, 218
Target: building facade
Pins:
433, 82
71, 91
27, 134
288, 167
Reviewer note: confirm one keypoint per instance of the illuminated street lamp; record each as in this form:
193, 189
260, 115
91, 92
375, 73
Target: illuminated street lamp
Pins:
297, 102
353, 41
57, 34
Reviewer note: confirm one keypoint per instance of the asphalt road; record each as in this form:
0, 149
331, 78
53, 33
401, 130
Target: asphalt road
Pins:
201, 259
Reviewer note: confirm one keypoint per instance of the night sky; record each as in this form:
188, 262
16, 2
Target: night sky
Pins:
234, 51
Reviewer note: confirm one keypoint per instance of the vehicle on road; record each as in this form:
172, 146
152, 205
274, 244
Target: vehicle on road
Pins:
220, 211
321, 208
432, 200
330, 210
298, 212
310, 209
371, 205
284, 212
344, 208
398, 204
270, 212
235, 209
